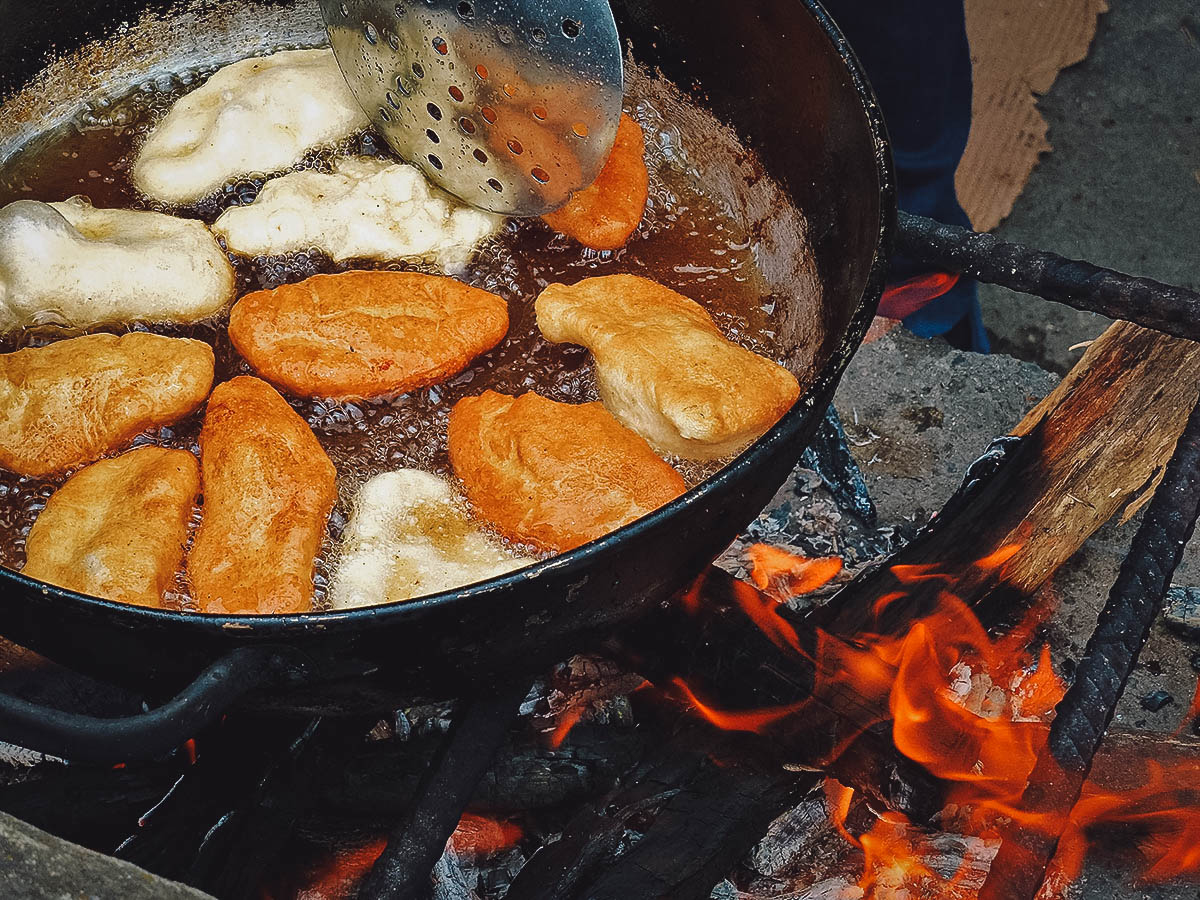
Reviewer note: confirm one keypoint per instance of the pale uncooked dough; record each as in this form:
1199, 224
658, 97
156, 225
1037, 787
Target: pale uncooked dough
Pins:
409, 536
366, 209
69, 263
257, 116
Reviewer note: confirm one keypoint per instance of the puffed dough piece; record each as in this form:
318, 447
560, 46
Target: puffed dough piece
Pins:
69, 263
366, 209
117, 529
554, 475
662, 367
74, 401
268, 491
409, 536
605, 214
364, 335
256, 116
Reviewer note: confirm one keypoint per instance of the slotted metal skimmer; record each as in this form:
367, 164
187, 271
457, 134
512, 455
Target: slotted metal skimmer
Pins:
510, 105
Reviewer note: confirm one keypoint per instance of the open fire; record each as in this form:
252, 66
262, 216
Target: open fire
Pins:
973, 710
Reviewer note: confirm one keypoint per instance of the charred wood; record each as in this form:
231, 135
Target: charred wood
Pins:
726, 657
527, 777
828, 454
560, 869
1084, 713
415, 846
236, 853
702, 832
376, 784
93, 806
232, 759
693, 807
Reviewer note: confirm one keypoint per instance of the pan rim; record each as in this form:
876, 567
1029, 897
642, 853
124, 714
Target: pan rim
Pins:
578, 560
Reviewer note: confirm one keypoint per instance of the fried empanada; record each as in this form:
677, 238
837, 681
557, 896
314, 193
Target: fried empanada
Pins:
268, 490
664, 369
72, 264
117, 529
363, 335
554, 475
604, 214
409, 536
74, 401
255, 116
367, 208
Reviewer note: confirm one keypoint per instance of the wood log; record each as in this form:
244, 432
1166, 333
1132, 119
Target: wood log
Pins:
701, 799
1095, 445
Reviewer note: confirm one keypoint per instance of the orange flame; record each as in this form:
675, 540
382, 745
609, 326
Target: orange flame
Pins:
745, 720
569, 719
336, 877
339, 875
906, 297
972, 710
481, 836
1192, 714
798, 575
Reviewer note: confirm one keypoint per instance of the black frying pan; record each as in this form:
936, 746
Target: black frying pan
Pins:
816, 130
781, 74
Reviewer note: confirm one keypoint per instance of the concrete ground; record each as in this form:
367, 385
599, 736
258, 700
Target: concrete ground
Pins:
1122, 186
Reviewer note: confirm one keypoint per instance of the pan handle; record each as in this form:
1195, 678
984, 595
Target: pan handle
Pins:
985, 257
82, 738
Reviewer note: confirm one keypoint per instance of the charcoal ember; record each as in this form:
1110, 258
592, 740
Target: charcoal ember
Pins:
788, 837
1182, 611
724, 890
422, 721
451, 880
805, 519
585, 689
500, 872
1156, 700
528, 776
923, 864
1195, 661
380, 779
827, 889
965, 859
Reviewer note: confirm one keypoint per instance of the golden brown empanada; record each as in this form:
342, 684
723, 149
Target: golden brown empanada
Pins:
664, 369
117, 528
362, 335
605, 214
554, 475
74, 401
268, 491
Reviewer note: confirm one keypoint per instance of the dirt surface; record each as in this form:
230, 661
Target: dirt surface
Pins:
1122, 186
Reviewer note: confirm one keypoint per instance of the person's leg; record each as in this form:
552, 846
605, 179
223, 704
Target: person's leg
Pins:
916, 54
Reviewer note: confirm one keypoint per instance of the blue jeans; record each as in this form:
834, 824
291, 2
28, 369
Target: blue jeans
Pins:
915, 52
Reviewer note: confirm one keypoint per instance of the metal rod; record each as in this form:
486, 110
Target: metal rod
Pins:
83, 738
1084, 713
1152, 304
414, 847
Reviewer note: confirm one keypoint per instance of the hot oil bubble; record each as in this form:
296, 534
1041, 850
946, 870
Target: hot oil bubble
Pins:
333, 417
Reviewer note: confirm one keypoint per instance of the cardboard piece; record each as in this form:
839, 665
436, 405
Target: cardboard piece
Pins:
1018, 47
